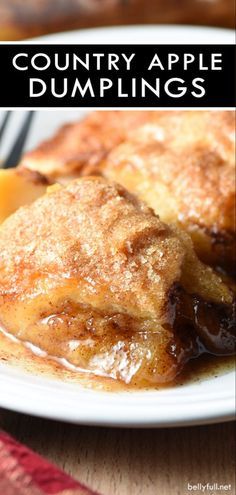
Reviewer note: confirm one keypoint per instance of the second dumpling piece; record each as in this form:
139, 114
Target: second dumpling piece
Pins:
183, 166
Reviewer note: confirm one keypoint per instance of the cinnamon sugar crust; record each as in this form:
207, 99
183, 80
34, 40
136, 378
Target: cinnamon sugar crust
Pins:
93, 276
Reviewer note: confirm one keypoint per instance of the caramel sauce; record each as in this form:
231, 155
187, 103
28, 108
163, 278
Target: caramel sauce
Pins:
16, 355
205, 326
204, 330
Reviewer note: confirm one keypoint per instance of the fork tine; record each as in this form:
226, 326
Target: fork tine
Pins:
4, 123
17, 149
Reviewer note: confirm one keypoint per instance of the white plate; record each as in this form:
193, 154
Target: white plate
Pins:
152, 34
206, 401
203, 402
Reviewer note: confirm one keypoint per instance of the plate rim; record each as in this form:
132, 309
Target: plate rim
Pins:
178, 29
74, 404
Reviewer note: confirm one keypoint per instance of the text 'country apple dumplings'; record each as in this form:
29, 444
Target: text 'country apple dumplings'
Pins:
181, 163
92, 275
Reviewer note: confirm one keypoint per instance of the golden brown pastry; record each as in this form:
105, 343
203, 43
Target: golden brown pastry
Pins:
93, 276
30, 18
20, 19
19, 187
183, 166
182, 163
77, 147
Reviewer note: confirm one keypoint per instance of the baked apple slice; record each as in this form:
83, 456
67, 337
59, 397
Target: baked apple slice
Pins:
18, 187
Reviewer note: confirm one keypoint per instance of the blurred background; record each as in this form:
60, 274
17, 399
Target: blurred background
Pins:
21, 19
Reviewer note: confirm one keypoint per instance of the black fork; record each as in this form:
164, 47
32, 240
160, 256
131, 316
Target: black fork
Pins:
16, 150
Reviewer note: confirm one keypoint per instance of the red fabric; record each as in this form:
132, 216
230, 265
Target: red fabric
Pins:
22, 471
